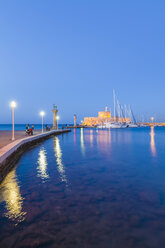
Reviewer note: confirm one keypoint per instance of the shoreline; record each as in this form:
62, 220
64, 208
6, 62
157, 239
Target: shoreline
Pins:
10, 153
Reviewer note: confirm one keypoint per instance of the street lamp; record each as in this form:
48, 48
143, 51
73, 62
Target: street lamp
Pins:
57, 118
42, 113
13, 106
152, 119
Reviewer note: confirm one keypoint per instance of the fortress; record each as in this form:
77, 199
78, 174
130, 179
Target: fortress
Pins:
103, 116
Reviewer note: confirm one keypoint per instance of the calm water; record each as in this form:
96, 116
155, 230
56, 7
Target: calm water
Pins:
87, 189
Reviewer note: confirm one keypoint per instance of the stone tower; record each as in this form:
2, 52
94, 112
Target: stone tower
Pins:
55, 110
75, 120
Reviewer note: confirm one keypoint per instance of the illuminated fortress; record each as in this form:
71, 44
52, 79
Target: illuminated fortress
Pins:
103, 116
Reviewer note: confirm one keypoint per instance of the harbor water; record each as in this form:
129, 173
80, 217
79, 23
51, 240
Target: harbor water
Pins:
87, 188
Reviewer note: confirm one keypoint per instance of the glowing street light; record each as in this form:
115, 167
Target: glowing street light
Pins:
13, 106
42, 113
57, 118
152, 119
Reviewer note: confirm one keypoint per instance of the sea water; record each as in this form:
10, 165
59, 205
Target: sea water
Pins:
87, 188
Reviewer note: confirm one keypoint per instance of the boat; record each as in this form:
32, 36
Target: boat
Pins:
125, 119
110, 125
115, 123
132, 125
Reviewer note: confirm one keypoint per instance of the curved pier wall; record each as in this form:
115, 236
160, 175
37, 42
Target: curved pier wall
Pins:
14, 150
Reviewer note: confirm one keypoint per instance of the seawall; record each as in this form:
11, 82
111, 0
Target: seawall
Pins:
10, 153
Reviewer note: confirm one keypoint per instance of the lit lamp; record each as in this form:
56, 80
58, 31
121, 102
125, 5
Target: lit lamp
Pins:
13, 106
57, 118
152, 119
42, 113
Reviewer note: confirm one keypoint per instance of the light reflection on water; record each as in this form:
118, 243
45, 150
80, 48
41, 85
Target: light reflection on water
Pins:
10, 194
58, 155
91, 137
109, 135
123, 136
82, 141
112, 194
74, 131
152, 142
104, 141
42, 165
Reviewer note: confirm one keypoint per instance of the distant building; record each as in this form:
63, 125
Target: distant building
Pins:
75, 120
103, 116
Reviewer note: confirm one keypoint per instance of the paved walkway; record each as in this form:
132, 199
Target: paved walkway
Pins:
5, 136
21, 139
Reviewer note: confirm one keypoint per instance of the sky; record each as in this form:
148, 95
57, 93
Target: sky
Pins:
73, 53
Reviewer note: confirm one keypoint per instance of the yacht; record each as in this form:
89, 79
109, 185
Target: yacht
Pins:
112, 125
132, 125
125, 117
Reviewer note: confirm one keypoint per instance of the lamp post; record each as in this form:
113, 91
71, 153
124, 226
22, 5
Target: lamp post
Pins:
13, 105
57, 118
152, 119
42, 113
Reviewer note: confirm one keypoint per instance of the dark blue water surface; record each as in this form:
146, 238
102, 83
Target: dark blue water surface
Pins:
87, 188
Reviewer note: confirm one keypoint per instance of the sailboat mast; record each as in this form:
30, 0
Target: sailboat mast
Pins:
122, 112
125, 113
130, 114
118, 104
133, 117
114, 101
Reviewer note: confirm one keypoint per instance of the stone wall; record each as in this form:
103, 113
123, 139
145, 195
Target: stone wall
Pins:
93, 121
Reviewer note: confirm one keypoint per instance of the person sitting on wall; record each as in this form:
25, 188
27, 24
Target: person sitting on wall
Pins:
27, 128
47, 127
29, 131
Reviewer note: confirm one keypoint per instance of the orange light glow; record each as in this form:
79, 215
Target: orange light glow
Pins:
152, 143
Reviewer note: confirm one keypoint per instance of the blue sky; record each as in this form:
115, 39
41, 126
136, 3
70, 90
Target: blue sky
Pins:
73, 53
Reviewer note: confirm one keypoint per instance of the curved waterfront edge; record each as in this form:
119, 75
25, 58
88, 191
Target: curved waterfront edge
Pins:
10, 153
